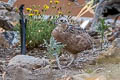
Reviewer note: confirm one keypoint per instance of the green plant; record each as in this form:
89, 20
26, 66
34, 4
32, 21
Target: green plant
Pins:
54, 49
101, 29
37, 31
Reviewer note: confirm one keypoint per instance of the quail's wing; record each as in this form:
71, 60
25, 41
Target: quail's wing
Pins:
75, 30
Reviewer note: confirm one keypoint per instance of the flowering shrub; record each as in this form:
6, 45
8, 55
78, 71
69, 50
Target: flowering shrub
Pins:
37, 31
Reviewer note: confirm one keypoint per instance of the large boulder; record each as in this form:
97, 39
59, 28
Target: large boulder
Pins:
28, 62
20, 67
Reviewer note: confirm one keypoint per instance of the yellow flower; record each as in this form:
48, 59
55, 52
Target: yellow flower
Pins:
56, 1
51, 1
31, 14
38, 14
36, 11
28, 9
46, 7
60, 12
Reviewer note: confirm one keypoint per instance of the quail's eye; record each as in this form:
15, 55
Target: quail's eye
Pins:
61, 20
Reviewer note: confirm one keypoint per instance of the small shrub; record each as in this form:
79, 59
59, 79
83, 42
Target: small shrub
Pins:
101, 29
54, 49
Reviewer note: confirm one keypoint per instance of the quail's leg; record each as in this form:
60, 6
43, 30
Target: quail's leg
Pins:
58, 62
73, 57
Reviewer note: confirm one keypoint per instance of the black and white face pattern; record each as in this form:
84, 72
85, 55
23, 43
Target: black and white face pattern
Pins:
62, 20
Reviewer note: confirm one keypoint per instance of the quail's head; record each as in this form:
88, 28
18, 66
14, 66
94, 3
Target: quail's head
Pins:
62, 23
62, 20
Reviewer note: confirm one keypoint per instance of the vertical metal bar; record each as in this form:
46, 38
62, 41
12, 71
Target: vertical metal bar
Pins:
23, 30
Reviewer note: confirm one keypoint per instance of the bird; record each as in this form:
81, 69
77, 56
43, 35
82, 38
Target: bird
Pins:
73, 37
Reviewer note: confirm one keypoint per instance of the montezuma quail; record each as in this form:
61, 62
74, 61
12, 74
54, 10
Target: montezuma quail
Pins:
75, 38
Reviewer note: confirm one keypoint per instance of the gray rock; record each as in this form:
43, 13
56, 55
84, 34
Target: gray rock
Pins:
112, 54
11, 2
4, 5
9, 38
19, 73
3, 42
116, 43
8, 16
13, 37
28, 62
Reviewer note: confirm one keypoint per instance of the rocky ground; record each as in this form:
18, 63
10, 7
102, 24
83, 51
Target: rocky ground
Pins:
94, 64
89, 65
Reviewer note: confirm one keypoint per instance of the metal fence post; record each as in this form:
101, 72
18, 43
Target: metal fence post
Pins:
23, 23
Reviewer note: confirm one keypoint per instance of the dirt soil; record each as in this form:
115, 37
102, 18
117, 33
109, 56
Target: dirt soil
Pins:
48, 73
85, 63
64, 3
